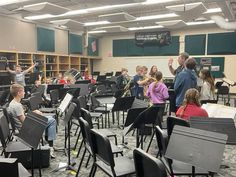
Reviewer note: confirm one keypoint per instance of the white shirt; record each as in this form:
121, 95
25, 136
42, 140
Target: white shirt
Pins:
206, 92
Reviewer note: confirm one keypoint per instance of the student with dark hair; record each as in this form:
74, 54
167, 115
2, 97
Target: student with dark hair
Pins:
208, 87
191, 106
153, 71
157, 90
181, 60
122, 80
185, 80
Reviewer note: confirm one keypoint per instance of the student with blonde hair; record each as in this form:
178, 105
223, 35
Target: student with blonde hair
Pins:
191, 106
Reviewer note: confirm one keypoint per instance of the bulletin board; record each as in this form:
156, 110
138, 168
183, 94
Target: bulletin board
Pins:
215, 64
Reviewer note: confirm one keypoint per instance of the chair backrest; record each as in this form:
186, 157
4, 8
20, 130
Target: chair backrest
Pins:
132, 115
54, 96
85, 131
82, 101
86, 116
162, 141
101, 89
223, 90
208, 101
94, 101
10, 119
101, 148
147, 165
4, 130
172, 121
35, 101
4, 97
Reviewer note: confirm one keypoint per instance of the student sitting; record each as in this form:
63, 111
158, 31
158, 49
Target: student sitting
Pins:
208, 87
191, 106
17, 111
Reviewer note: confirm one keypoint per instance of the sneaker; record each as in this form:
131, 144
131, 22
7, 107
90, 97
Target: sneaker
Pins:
52, 153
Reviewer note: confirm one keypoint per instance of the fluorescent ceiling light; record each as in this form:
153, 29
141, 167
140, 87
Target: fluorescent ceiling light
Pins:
39, 17
98, 31
214, 10
200, 23
96, 23
151, 17
145, 27
7, 2
149, 2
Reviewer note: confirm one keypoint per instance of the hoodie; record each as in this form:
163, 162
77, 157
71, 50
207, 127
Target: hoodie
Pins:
159, 94
185, 80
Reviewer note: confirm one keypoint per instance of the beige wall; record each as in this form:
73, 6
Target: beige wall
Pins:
16, 35
109, 63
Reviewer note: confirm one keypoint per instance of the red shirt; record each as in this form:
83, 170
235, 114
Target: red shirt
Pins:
191, 110
62, 81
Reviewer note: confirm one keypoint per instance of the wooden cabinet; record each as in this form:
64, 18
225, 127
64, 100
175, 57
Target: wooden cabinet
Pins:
49, 64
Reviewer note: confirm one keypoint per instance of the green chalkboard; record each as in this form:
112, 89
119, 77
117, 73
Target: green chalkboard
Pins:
45, 39
195, 44
127, 47
93, 46
221, 43
213, 64
75, 44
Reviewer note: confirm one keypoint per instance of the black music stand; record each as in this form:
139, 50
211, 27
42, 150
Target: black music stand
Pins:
122, 104
67, 121
145, 117
200, 148
220, 125
31, 133
54, 87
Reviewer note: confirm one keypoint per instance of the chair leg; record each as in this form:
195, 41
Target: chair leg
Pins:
77, 140
88, 160
93, 170
81, 161
150, 141
82, 142
76, 131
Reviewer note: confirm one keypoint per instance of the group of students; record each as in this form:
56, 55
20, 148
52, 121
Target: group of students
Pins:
187, 89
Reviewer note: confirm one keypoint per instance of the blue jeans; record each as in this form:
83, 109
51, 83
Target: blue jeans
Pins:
50, 131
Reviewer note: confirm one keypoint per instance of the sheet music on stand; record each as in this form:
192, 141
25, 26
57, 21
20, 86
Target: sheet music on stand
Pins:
229, 82
65, 103
219, 111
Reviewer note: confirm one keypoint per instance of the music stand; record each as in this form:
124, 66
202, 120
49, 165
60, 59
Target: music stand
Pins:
200, 148
31, 132
67, 122
83, 82
84, 89
220, 125
101, 78
54, 87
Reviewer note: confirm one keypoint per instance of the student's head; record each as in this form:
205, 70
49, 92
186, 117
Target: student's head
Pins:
37, 83
48, 81
124, 71
190, 63
192, 97
158, 75
60, 76
153, 70
17, 90
182, 58
18, 68
139, 70
145, 70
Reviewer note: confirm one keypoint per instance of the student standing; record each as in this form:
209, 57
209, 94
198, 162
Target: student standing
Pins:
185, 80
208, 87
191, 106
122, 80
153, 71
19, 75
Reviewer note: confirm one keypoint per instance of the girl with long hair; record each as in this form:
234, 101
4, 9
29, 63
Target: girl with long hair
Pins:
191, 106
208, 87
153, 71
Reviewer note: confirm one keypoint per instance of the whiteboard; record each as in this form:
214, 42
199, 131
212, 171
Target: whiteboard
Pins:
160, 62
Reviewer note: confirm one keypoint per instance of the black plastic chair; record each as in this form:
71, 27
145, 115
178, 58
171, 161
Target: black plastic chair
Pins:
208, 101
9, 147
223, 91
148, 166
172, 121
11, 120
103, 158
173, 167
54, 96
87, 142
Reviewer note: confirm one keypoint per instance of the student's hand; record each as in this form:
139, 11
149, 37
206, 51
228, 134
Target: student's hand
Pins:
38, 112
170, 62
